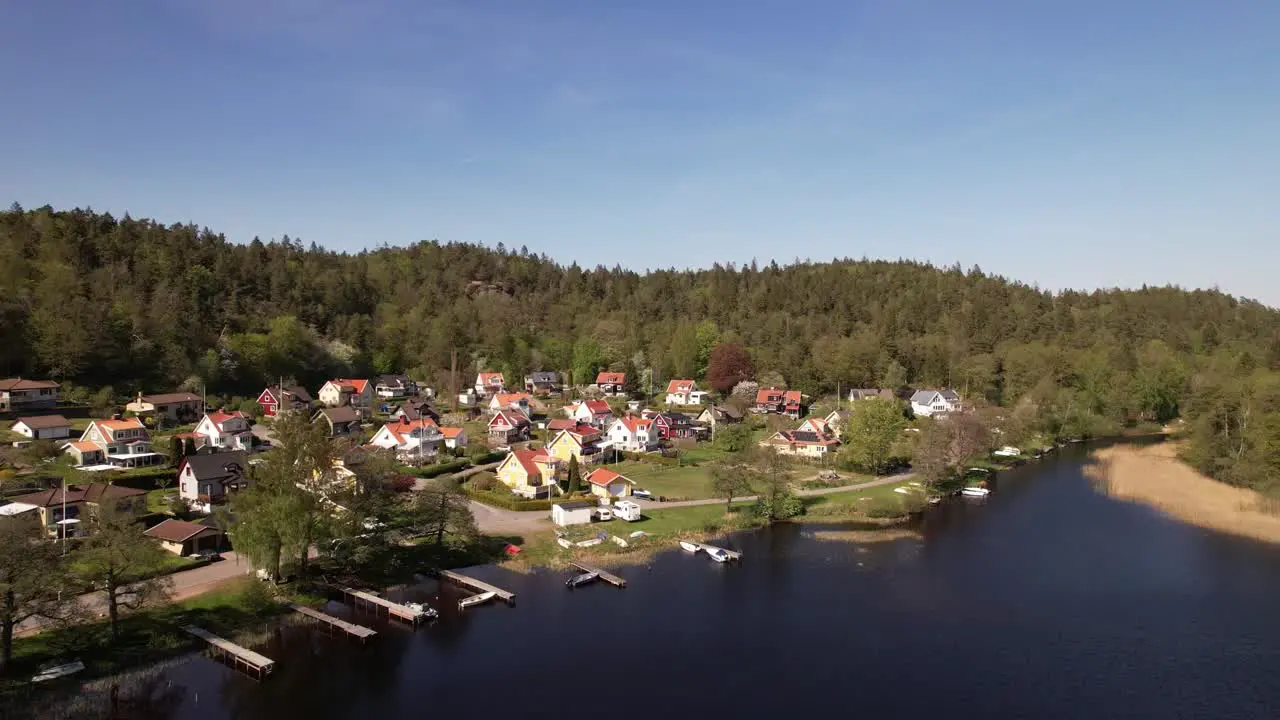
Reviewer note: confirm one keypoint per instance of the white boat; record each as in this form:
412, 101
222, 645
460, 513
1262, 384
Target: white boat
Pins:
582, 579
54, 672
589, 543
718, 555
975, 492
688, 546
563, 543
935, 500
639, 534
1007, 451
618, 540
474, 600
902, 491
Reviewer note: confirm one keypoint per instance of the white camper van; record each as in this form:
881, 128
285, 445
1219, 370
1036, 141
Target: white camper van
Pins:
626, 510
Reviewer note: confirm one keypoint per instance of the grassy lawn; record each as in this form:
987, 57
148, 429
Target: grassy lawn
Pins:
156, 501
693, 483
879, 501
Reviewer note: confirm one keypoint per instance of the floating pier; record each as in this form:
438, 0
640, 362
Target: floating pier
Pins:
258, 663
604, 575
733, 554
479, 586
358, 631
381, 604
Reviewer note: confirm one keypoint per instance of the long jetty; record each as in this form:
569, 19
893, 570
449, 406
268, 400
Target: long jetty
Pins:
258, 663
604, 574
479, 585
381, 604
733, 554
358, 631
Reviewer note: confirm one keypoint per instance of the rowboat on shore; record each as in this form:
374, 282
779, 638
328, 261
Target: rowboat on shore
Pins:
975, 492
688, 546
53, 672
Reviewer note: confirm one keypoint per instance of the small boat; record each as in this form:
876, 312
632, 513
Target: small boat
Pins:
563, 543
975, 492
718, 555
618, 540
422, 609
474, 600
902, 491
639, 534
589, 543
582, 579
689, 547
53, 672
935, 500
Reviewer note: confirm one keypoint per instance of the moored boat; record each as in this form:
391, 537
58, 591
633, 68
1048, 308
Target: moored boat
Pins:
582, 579
474, 600
688, 546
718, 555
975, 492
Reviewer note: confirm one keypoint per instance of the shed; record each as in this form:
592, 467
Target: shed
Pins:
575, 512
185, 538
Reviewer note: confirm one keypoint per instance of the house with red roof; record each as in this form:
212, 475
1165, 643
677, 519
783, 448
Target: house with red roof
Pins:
580, 441
356, 392
633, 434
454, 437
226, 430
412, 440
781, 402
508, 426
490, 383
511, 401
590, 412
606, 483
122, 443
684, 392
611, 383
529, 473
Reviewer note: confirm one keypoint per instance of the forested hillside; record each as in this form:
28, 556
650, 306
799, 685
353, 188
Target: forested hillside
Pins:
94, 300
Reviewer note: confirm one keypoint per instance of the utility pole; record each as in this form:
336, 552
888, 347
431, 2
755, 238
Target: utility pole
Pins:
453, 377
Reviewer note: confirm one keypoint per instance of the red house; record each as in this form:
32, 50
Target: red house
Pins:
674, 425
782, 402
275, 399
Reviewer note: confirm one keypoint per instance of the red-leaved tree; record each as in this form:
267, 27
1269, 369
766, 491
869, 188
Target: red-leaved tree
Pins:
728, 366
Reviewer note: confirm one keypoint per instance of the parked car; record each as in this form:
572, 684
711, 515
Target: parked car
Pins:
603, 514
206, 554
642, 494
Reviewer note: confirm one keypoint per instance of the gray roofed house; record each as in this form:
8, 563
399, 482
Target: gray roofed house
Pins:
389, 386
416, 411
546, 381
926, 403
342, 420
869, 393
205, 478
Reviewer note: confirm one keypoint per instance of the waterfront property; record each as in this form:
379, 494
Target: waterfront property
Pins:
574, 512
42, 427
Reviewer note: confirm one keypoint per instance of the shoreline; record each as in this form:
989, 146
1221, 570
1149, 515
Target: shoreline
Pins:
1155, 476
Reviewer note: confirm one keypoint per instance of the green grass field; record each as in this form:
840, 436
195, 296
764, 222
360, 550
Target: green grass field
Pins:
692, 483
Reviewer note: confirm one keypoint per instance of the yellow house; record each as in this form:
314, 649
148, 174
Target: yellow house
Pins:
608, 484
527, 471
582, 442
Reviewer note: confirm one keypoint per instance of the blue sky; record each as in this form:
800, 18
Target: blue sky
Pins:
1069, 144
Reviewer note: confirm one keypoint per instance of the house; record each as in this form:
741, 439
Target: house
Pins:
608, 484
684, 392
455, 438
543, 383
21, 395
926, 403
124, 443
280, 399
590, 412
174, 408
528, 472
488, 383
837, 420
611, 383
720, 414
411, 439
674, 425
801, 443
508, 426
346, 391
22, 515
185, 538
415, 411
781, 402
342, 421
871, 393
510, 401
575, 512
817, 426
229, 430
395, 386
206, 478
80, 502
468, 397
580, 441
42, 427
86, 454
634, 434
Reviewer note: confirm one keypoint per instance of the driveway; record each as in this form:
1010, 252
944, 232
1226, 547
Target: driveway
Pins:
264, 432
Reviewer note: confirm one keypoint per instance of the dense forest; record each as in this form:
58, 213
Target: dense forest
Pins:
92, 300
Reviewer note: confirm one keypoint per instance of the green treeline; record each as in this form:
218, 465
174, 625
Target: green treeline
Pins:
97, 301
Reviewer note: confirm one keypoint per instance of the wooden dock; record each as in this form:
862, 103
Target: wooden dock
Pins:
381, 604
358, 631
479, 585
259, 664
733, 554
604, 575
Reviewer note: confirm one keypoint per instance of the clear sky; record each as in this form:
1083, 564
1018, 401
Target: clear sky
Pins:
1073, 143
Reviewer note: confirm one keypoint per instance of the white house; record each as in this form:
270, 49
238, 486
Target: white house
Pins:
411, 439
207, 478
454, 437
488, 383
357, 393
395, 386
229, 430
43, 427
510, 401
684, 392
595, 413
576, 512
123, 443
926, 403
633, 434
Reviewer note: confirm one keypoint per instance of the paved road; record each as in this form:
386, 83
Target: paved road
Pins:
497, 521
182, 585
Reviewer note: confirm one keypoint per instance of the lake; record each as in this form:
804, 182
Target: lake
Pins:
1047, 600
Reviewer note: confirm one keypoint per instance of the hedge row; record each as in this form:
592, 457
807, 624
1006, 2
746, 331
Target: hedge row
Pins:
651, 458
507, 501
443, 468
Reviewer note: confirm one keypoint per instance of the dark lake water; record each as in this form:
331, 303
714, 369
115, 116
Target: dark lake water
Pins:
1046, 601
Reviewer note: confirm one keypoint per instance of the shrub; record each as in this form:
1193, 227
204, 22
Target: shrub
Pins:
443, 468
483, 482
